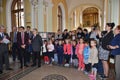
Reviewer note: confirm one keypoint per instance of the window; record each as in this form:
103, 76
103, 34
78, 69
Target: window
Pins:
17, 13
60, 23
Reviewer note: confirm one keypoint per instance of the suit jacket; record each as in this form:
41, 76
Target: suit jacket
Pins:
12, 36
30, 34
19, 39
37, 43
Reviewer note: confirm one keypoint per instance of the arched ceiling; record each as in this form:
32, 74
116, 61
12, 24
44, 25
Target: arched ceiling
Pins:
72, 4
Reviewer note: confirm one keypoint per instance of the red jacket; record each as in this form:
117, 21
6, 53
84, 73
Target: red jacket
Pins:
79, 49
67, 49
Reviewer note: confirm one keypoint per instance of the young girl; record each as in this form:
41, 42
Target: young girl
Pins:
50, 48
93, 59
44, 51
67, 52
79, 51
74, 56
60, 52
86, 54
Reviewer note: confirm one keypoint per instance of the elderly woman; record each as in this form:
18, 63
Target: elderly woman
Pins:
115, 47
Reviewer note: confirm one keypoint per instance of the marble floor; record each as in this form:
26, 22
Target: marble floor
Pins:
45, 72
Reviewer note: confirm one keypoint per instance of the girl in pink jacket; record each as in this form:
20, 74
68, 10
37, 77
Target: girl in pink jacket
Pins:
79, 51
67, 52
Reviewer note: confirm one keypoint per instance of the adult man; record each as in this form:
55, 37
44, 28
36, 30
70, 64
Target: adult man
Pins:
4, 40
22, 40
29, 48
13, 38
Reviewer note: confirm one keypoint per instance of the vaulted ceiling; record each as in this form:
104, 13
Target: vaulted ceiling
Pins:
72, 4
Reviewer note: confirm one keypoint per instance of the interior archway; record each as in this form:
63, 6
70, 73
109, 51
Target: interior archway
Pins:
90, 17
79, 16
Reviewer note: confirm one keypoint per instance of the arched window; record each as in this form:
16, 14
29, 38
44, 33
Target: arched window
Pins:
60, 23
17, 13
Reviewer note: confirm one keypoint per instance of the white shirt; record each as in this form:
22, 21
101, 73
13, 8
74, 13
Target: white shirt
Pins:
50, 47
44, 48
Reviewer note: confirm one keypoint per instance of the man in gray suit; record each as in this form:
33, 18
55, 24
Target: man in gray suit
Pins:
36, 45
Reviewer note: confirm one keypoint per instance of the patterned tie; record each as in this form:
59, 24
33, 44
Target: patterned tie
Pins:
22, 37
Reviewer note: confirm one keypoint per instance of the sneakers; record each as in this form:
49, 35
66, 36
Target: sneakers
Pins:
66, 65
92, 77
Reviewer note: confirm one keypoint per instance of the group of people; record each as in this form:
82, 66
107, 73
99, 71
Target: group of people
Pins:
22, 44
87, 51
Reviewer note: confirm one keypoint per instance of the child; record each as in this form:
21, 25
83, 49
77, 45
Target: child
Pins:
79, 52
93, 59
60, 52
50, 48
74, 56
86, 54
67, 52
55, 51
45, 55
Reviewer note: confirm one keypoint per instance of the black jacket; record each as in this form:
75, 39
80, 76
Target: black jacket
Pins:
107, 38
37, 43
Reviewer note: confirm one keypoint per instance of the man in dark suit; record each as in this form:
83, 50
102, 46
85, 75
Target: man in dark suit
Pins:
4, 46
29, 48
22, 41
13, 38
36, 45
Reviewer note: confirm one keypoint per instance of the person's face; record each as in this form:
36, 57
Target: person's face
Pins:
14, 28
116, 31
67, 41
28, 29
21, 29
86, 44
81, 41
60, 42
92, 43
34, 32
2, 29
73, 43
107, 28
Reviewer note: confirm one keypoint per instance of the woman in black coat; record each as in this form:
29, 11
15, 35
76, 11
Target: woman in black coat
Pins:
104, 51
36, 46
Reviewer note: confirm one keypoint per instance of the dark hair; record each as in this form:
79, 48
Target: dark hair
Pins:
22, 27
110, 25
118, 26
85, 30
28, 27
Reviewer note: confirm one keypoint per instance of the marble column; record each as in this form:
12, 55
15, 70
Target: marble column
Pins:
115, 11
40, 16
49, 17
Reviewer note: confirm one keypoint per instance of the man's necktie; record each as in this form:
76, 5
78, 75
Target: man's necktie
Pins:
22, 37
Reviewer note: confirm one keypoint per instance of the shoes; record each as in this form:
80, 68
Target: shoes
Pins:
9, 69
91, 76
39, 66
26, 65
33, 65
1, 72
85, 72
104, 77
79, 68
66, 65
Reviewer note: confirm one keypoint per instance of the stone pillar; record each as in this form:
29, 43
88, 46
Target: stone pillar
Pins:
115, 11
40, 16
49, 17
